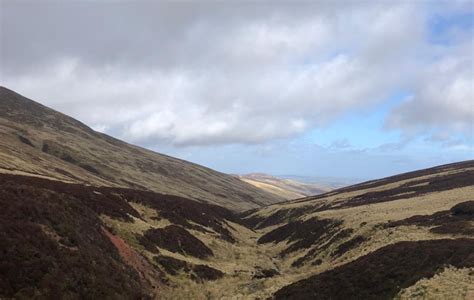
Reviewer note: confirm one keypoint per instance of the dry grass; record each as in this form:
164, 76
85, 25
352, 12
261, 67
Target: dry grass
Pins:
399, 209
117, 163
284, 193
333, 198
452, 283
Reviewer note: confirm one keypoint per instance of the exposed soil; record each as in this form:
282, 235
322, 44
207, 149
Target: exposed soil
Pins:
175, 239
51, 243
150, 277
384, 272
114, 202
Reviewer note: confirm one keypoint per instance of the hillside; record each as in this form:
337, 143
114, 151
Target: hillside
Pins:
406, 236
285, 188
87, 216
39, 141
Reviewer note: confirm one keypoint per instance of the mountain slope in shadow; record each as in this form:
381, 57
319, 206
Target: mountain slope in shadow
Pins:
39, 141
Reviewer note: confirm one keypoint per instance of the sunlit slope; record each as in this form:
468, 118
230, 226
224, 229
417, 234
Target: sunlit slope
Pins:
286, 188
36, 140
365, 241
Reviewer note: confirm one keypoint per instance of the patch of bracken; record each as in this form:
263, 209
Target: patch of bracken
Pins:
384, 272
302, 234
68, 158
264, 273
251, 221
196, 272
89, 168
414, 189
280, 216
100, 200
172, 265
114, 202
456, 221
185, 212
51, 243
175, 239
204, 272
349, 245
317, 262
25, 141
392, 179
464, 208
324, 245
66, 173
409, 176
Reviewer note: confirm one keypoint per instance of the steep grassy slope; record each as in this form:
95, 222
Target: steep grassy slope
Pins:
36, 140
285, 188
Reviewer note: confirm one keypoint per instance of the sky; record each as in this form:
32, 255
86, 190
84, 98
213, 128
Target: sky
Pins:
346, 89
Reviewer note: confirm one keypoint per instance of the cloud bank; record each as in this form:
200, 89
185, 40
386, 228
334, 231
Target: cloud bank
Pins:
236, 73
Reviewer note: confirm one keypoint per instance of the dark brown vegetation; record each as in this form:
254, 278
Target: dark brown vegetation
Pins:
51, 229
458, 220
185, 212
463, 208
278, 217
349, 245
175, 239
51, 243
323, 246
411, 189
394, 179
264, 273
203, 272
197, 273
302, 234
115, 203
25, 141
384, 272
414, 188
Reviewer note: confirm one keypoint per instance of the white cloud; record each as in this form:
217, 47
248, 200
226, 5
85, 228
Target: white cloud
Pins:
442, 104
191, 74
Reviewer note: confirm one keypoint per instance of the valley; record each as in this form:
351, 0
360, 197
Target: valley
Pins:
87, 216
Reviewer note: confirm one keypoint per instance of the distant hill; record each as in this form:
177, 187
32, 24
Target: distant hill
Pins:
36, 140
285, 188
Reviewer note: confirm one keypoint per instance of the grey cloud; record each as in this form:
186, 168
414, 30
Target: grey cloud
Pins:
191, 73
443, 101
